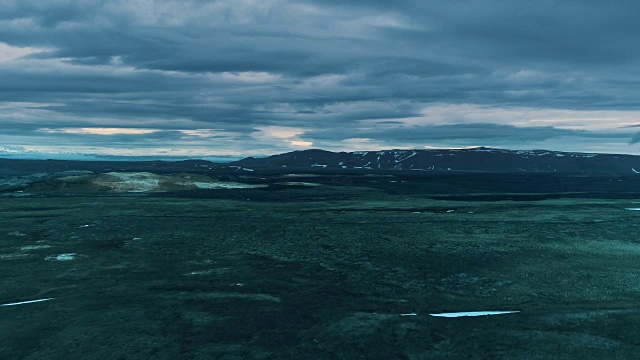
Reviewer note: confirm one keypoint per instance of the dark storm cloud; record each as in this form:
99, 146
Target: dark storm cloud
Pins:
326, 67
47, 13
476, 131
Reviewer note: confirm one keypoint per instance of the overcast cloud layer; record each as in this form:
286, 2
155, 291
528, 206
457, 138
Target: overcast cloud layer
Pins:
243, 77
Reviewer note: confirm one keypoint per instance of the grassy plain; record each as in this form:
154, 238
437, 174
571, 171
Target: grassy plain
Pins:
322, 272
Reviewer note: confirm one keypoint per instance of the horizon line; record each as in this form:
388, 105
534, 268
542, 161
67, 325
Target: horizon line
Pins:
232, 158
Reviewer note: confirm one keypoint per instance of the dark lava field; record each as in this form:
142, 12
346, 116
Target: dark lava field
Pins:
319, 266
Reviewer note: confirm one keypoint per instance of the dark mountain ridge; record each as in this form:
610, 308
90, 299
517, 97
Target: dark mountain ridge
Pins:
479, 159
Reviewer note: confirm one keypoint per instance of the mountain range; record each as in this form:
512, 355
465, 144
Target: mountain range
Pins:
474, 160
480, 159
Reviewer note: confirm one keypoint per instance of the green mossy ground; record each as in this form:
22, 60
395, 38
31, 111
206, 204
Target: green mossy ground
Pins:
317, 272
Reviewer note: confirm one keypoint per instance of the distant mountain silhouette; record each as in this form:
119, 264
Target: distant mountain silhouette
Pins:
479, 159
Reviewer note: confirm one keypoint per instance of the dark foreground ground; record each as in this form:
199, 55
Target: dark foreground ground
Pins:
324, 272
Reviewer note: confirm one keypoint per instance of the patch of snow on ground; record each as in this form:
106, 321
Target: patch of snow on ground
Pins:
299, 183
12, 256
35, 247
232, 185
201, 272
302, 175
218, 185
62, 257
474, 313
26, 302
407, 157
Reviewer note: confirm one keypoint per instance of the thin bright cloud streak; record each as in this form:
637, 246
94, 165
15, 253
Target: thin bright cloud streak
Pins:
10, 53
101, 131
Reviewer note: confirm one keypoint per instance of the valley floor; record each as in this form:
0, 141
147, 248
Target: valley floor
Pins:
323, 272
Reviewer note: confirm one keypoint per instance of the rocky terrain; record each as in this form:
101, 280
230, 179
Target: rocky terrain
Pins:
83, 181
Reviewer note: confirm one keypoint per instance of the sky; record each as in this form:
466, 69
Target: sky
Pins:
196, 78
